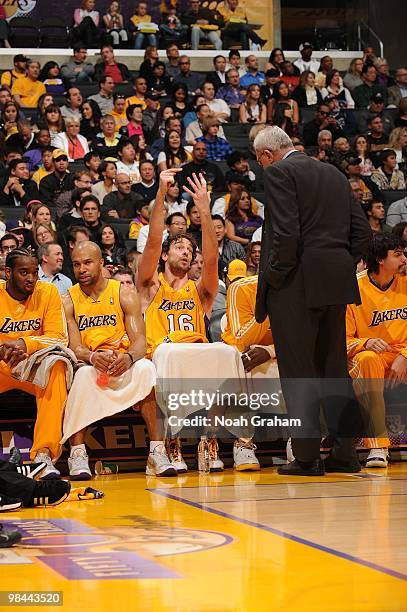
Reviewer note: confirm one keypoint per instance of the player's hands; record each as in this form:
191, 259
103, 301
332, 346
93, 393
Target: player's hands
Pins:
13, 352
254, 357
120, 364
398, 372
102, 360
199, 192
378, 346
167, 178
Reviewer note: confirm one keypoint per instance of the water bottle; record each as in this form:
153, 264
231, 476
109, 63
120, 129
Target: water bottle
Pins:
103, 378
203, 455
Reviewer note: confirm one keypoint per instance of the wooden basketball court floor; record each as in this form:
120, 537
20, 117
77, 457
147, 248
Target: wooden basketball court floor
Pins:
221, 542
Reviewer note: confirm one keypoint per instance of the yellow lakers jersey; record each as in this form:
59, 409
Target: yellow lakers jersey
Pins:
101, 321
174, 315
382, 314
39, 320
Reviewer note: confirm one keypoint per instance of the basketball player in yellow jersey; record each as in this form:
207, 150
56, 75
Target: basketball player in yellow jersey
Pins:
174, 306
106, 331
32, 319
377, 336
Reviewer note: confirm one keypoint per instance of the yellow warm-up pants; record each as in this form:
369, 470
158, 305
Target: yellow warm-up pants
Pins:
50, 406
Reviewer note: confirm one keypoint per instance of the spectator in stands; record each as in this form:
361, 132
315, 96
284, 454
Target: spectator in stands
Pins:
149, 61
140, 90
236, 22
127, 163
205, 25
326, 66
228, 249
399, 90
376, 215
253, 253
107, 170
142, 218
171, 123
307, 95
139, 143
114, 24
158, 82
174, 154
19, 71
45, 167
109, 67
2, 267
400, 230
290, 76
241, 222
192, 80
90, 210
27, 90
5, 95
267, 90
54, 121
34, 154
324, 140
383, 76
179, 99
276, 58
190, 115
139, 28
90, 121
148, 185
362, 149
351, 167
74, 235
194, 224
200, 164
134, 126
281, 95
322, 121
387, 176
218, 148
72, 108
44, 101
355, 185
194, 129
253, 74
218, 107
104, 98
123, 203
150, 115
78, 71
58, 181
43, 233
92, 163
19, 188
362, 94
253, 110
376, 137
333, 86
173, 200
305, 62
376, 107
218, 76
106, 143
51, 260
235, 182
401, 119
8, 242
171, 25
235, 62
397, 215
9, 119
50, 75
397, 141
63, 202
112, 247
231, 92
74, 144
118, 111
353, 78
39, 214
282, 117
73, 217
86, 24
238, 164
172, 66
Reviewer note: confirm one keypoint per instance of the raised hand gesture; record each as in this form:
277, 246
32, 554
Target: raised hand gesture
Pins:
167, 178
199, 192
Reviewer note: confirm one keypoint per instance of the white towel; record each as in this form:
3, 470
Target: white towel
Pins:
36, 368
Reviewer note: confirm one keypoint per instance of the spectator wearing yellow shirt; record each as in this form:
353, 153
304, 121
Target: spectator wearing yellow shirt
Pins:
19, 71
140, 33
28, 90
47, 166
140, 90
235, 18
119, 112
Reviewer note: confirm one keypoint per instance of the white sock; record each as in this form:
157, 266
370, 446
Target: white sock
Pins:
154, 444
78, 447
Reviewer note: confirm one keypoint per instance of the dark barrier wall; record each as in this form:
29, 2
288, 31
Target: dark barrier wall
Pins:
388, 19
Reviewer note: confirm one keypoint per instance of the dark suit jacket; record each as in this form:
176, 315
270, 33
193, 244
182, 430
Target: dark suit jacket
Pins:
213, 77
311, 221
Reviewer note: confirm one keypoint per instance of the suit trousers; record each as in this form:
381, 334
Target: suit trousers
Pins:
310, 345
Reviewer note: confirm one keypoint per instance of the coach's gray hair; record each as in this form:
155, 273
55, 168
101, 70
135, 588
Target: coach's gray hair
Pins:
43, 250
272, 139
324, 133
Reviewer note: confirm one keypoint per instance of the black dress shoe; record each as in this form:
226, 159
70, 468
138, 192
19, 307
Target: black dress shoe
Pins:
332, 464
296, 468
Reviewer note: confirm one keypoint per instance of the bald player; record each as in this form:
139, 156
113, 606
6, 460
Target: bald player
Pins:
106, 331
32, 319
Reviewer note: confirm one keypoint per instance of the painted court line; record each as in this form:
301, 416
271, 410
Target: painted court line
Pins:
261, 499
284, 534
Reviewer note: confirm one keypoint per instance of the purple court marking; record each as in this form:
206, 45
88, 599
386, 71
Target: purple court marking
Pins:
35, 528
284, 534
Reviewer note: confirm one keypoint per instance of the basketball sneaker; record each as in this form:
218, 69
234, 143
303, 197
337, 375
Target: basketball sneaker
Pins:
8, 537
31, 470
244, 457
78, 464
158, 463
9, 503
50, 492
215, 464
174, 453
378, 457
50, 472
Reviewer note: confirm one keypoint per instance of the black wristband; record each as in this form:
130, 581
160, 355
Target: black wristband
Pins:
131, 358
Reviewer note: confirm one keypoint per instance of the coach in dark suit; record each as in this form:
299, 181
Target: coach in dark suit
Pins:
314, 234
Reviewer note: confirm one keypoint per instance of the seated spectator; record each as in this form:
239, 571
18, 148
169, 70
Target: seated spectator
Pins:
9, 119
27, 90
34, 153
142, 27
150, 59
307, 95
362, 94
344, 119
86, 24
158, 82
281, 95
112, 247
106, 142
235, 62
73, 236
5, 95
267, 90
175, 224
74, 100
334, 87
174, 154
171, 25
134, 127
377, 138
51, 260
141, 219
387, 176
399, 90
194, 224
56, 182
276, 58
147, 187
375, 213
241, 222
200, 164
139, 143
109, 67
397, 215
19, 188
322, 121
54, 121
78, 71
179, 99
39, 213
231, 91
253, 253
90, 121
218, 107
172, 66
45, 167
305, 62
192, 80
63, 202
44, 101
218, 76
114, 24
123, 203
238, 164
397, 141
282, 117
401, 119
8, 242
253, 110
92, 162
171, 123
218, 148
290, 76
91, 212
353, 78
205, 25
74, 216
50, 75
118, 112
43, 233
127, 163
228, 249
383, 75
18, 72
325, 67
74, 144
107, 170
400, 230
194, 129
361, 146
235, 182
376, 107
104, 98
236, 23
140, 90
253, 75
150, 115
